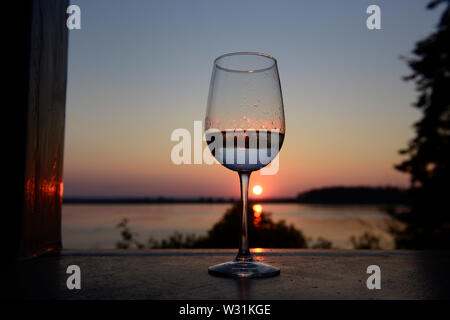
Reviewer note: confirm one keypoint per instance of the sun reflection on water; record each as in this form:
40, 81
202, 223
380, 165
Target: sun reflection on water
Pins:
257, 210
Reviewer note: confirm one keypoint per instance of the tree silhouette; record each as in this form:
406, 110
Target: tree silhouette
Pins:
428, 221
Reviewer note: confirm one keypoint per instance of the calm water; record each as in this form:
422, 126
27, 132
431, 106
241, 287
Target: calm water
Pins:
93, 226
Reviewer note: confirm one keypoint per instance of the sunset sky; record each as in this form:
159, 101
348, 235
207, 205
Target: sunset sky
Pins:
140, 69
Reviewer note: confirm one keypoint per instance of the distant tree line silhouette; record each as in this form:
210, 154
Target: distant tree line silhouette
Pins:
355, 195
327, 195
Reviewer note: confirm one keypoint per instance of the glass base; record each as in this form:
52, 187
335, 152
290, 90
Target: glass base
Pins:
241, 269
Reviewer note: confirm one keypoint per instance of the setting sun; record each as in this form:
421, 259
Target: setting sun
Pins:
257, 190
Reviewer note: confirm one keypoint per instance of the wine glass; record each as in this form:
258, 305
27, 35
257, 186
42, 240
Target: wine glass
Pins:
244, 129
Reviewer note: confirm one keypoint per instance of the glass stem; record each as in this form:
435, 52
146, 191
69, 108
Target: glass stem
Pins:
244, 251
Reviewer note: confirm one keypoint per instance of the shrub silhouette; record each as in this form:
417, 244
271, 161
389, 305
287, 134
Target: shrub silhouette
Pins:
128, 238
322, 243
365, 241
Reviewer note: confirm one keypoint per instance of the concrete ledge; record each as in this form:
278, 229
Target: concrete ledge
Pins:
182, 274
